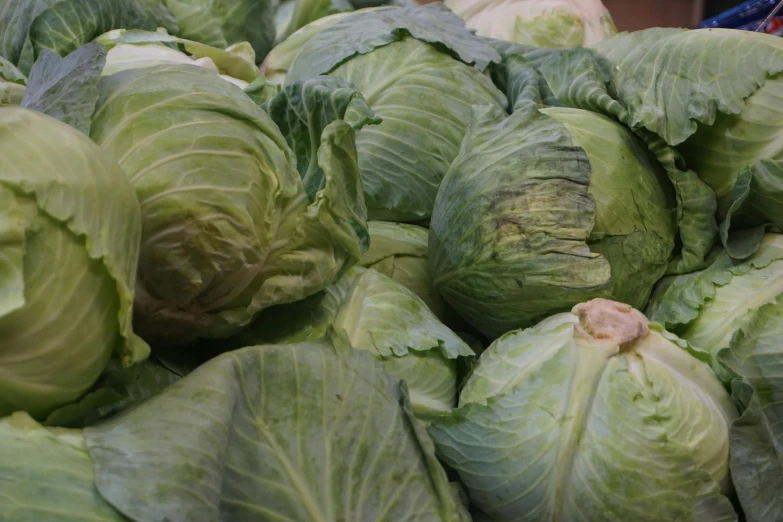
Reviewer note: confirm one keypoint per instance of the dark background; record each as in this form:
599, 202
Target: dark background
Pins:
631, 15
714, 7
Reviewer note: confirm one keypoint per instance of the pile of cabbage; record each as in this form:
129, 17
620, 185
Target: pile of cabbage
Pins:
331, 260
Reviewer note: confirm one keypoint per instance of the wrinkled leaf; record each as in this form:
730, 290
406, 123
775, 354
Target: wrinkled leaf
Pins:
66, 88
302, 432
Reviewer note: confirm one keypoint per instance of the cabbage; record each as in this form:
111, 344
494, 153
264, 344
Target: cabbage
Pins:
714, 94
230, 226
420, 71
71, 228
594, 414
540, 23
535, 216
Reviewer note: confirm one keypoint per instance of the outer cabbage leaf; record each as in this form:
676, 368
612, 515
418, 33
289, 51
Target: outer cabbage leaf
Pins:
756, 358
305, 109
66, 88
582, 78
363, 32
228, 226
302, 432
477, 263
557, 419
222, 23
61, 321
292, 15
708, 307
715, 94
650, 66
526, 224
404, 60
517, 77
47, 475
384, 318
540, 23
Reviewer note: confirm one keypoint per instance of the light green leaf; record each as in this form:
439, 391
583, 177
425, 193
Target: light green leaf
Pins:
262, 90
47, 475
12, 241
302, 432
66, 88
12, 83
706, 308
386, 319
654, 74
401, 252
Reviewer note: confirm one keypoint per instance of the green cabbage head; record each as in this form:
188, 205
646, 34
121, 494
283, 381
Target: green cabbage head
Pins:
230, 226
544, 209
594, 414
71, 228
540, 23
715, 95
420, 70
